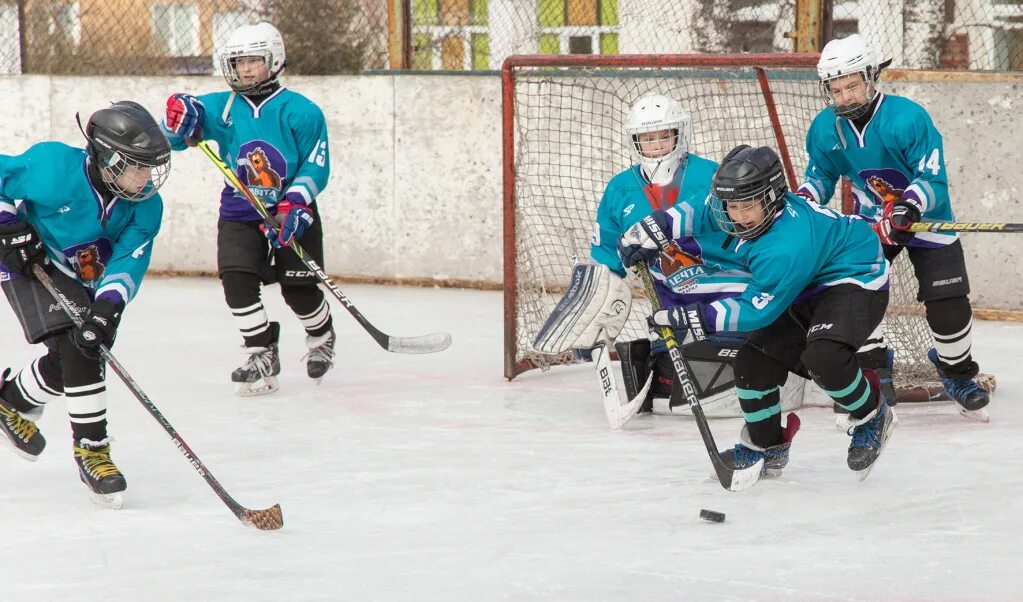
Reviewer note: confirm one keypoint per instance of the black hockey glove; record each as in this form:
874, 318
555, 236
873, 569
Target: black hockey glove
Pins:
640, 242
21, 248
686, 321
99, 328
893, 227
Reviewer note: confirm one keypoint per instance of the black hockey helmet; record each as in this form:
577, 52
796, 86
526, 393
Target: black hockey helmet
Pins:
748, 175
130, 150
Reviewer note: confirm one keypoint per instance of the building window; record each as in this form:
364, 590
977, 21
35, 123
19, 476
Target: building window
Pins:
577, 26
450, 34
176, 29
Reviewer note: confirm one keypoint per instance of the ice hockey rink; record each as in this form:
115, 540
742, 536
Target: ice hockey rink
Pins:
407, 477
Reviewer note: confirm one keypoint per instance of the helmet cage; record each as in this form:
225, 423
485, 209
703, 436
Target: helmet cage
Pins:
114, 163
228, 66
767, 198
870, 77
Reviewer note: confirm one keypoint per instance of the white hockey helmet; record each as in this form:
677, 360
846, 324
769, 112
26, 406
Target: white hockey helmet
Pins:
261, 40
846, 56
655, 113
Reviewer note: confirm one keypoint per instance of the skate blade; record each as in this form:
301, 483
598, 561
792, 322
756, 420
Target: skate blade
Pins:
976, 415
265, 386
111, 501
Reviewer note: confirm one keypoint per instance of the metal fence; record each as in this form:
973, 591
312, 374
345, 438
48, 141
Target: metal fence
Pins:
917, 34
139, 37
125, 37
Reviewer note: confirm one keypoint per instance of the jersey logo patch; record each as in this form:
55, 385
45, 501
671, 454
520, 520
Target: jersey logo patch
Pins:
263, 169
682, 265
628, 209
886, 185
88, 265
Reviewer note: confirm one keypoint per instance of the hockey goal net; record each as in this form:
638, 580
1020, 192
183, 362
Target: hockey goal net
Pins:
563, 136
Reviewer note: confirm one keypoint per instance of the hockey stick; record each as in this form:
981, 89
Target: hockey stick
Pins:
618, 410
964, 227
266, 520
427, 343
732, 479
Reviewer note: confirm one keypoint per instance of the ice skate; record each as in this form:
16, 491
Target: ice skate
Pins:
871, 433
776, 458
970, 397
320, 358
258, 376
99, 473
20, 432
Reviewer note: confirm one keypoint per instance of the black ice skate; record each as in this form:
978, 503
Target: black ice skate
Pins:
871, 433
99, 473
969, 396
20, 432
259, 374
321, 355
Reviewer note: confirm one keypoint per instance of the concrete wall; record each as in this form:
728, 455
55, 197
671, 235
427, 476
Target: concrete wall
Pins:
415, 190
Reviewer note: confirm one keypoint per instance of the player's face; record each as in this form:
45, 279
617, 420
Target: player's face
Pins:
848, 90
746, 214
134, 178
654, 145
251, 69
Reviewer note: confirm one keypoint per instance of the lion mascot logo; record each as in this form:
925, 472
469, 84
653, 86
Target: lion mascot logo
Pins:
260, 172
89, 268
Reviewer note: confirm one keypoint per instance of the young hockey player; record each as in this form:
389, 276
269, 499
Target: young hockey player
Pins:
276, 141
819, 288
664, 174
889, 148
88, 217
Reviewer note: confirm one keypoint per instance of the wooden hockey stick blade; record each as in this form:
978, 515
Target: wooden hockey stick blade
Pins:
427, 343
269, 519
1003, 228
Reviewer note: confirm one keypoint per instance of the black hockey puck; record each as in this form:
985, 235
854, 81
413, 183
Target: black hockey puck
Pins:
714, 517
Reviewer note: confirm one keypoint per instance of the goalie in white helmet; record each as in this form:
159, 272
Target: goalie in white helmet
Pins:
890, 150
665, 174
275, 140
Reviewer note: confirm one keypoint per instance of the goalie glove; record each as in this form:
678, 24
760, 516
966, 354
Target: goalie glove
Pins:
688, 320
598, 301
894, 224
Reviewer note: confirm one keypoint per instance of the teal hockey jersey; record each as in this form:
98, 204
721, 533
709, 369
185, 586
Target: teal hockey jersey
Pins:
898, 154
106, 249
278, 148
807, 249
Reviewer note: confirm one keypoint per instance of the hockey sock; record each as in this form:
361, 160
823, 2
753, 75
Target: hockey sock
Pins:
85, 390
309, 304
834, 368
758, 380
951, 322
241, 291
36, 385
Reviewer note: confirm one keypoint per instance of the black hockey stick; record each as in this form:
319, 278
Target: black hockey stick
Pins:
731, 479
266, 520
427, 343
964, 227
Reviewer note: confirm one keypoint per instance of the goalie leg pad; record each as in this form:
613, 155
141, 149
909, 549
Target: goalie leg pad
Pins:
635, 362
598, 300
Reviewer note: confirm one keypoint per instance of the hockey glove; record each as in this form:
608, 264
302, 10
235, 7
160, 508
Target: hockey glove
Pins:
688, 321
99, 327
185, 115
894, 223
639, 243
293, 218
21, 248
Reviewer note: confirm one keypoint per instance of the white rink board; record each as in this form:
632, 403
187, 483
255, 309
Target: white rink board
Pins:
431, 478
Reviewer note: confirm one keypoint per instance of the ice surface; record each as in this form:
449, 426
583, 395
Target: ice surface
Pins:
432, 478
